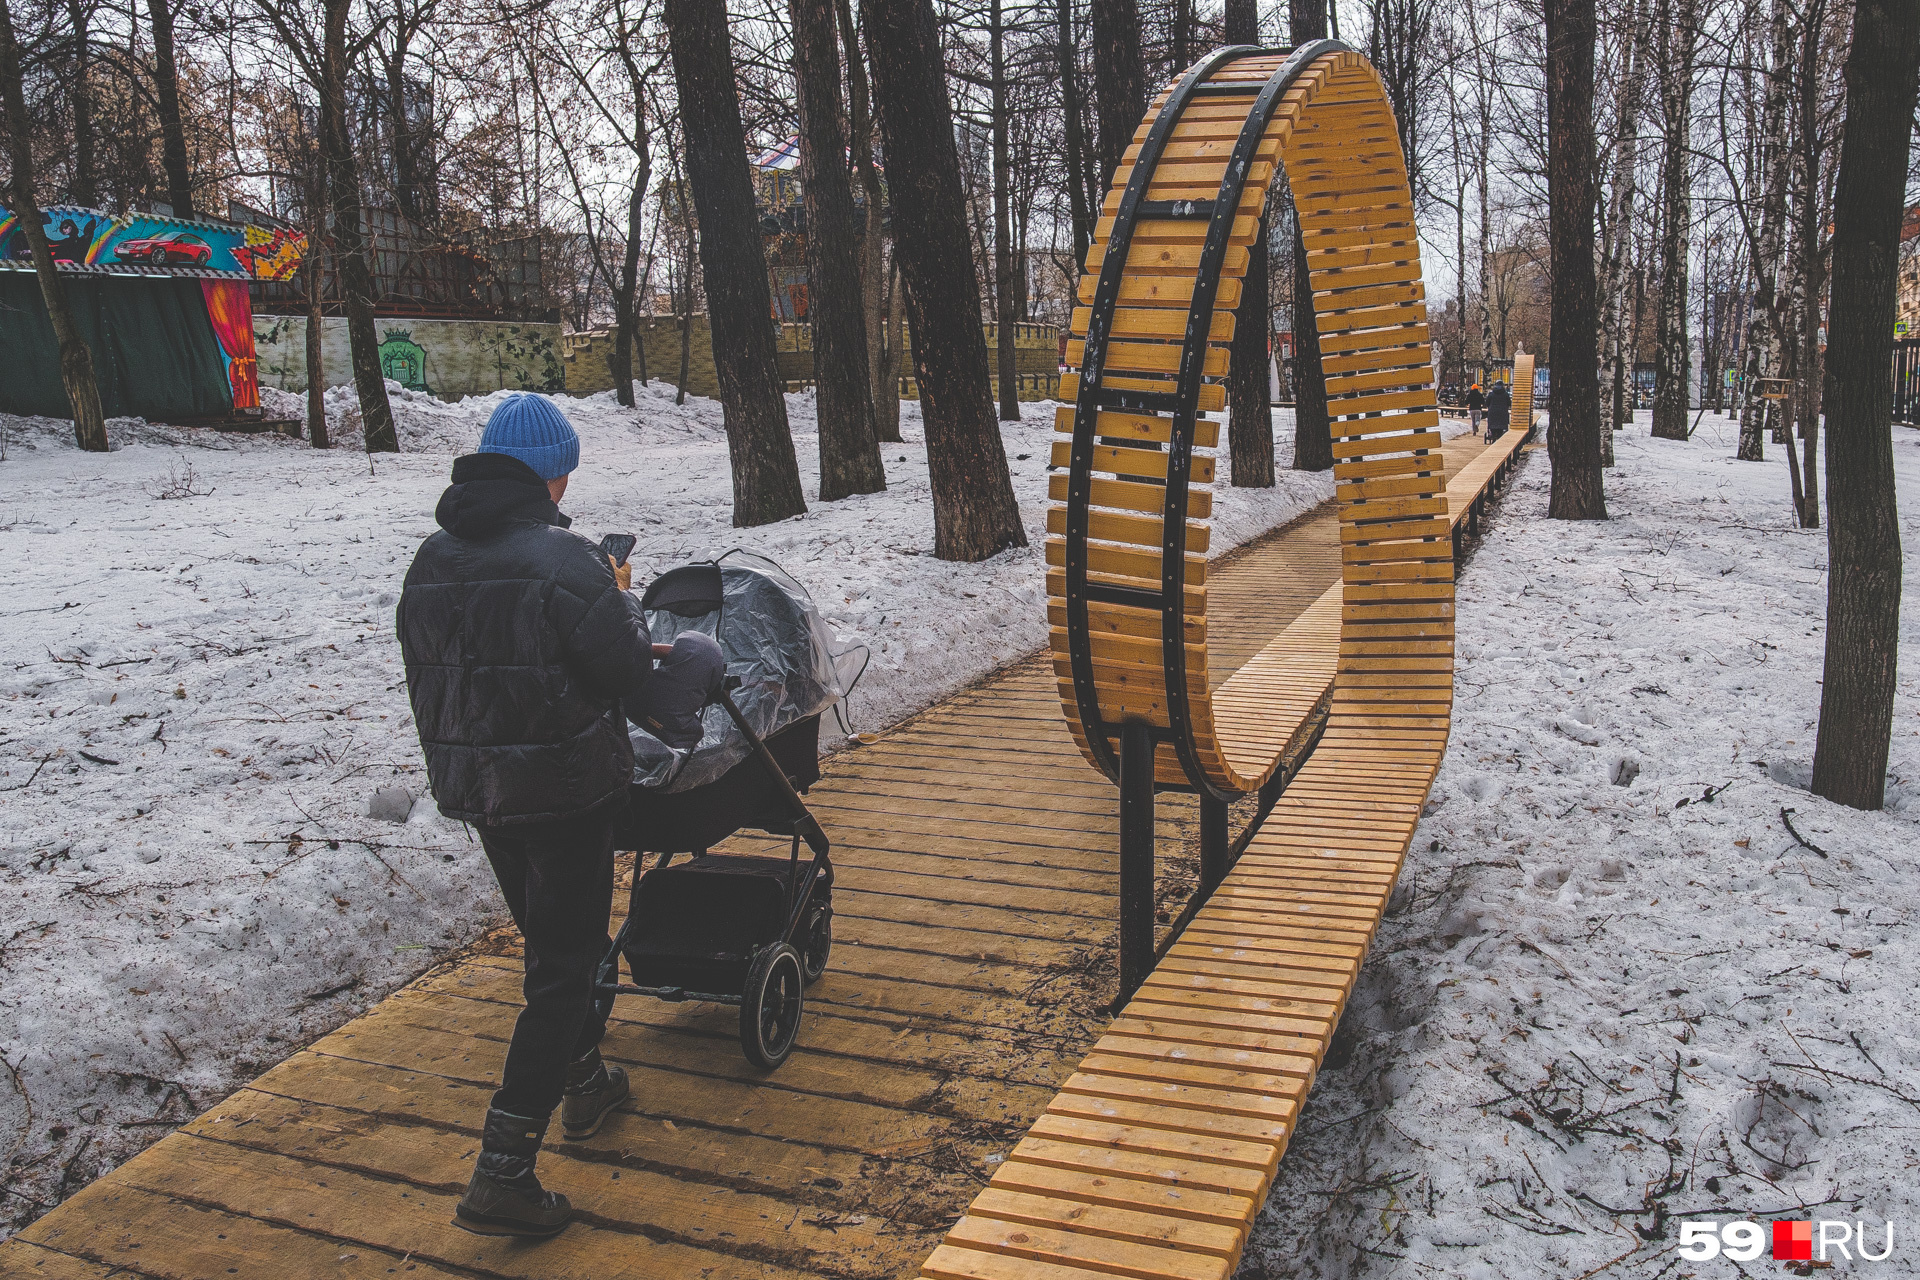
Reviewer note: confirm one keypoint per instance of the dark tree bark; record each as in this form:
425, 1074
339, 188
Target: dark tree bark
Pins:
1119, 80
883, 363
415, 190
1312, 437
626, 294
1672, 371
1249, 413
349, 242
84, 188
974, 512
166, 93
1573, 432
76, 360
766, 476
842, 378
1006, 290
1863, 526
1080, 202
313, 267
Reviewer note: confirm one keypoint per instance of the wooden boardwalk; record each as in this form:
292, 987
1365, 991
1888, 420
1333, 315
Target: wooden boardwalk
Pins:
976, 873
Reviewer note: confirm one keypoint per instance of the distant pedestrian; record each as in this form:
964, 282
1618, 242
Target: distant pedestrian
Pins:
1475, 403
1499, 408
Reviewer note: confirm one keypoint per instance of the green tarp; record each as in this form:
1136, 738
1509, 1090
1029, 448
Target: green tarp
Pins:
154, 351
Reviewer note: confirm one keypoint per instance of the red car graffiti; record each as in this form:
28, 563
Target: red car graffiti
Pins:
174, 246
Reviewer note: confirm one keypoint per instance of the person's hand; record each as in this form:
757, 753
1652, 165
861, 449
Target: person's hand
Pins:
662, 651
623, 576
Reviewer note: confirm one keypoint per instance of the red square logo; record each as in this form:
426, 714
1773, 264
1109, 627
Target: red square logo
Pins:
1793, 1241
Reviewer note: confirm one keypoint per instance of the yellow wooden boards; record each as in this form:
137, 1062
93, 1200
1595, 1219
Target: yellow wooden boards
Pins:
1334, 135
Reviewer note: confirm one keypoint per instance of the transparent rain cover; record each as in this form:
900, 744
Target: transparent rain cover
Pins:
781, 649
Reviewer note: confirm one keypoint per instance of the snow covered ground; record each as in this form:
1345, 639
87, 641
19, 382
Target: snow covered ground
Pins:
1615, 990
201, 691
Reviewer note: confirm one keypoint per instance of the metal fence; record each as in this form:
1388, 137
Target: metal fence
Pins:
1906, 381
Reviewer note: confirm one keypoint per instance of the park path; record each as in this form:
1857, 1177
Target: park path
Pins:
976, 871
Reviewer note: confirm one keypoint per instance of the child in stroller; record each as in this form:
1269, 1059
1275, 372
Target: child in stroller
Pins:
730, 928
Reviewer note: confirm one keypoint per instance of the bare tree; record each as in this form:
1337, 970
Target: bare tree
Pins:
76, 361
166, 93
766, 475
1573, 435
849, 448
883, 356
1119, 79
1616, 240
1678, 22
974, 511
1863, 537
1312, 430
1249, 413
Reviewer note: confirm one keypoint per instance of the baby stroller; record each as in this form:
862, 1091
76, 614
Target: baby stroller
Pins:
728, 928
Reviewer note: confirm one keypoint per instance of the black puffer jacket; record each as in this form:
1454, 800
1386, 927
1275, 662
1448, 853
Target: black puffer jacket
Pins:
519, 650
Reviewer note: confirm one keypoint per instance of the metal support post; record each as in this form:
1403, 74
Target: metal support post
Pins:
1136, 857
1213, 843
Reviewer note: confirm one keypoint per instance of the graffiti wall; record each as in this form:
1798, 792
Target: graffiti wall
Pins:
444, 358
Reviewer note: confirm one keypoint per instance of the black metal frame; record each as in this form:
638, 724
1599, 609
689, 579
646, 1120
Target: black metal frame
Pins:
1133, 770
801, 885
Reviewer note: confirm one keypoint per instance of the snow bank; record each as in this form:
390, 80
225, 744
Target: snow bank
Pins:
1614, 988
202, 694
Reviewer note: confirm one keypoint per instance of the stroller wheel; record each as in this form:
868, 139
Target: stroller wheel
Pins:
770, 1006
817, 941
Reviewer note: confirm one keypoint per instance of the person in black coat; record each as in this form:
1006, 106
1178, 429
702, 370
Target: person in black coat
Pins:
1499, 409
525, 657
1475, 403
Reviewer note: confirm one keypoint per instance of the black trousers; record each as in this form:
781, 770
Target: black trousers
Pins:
558, 882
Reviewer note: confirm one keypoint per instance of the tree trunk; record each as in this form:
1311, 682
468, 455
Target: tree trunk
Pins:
1810, 266
316, 347
842, 378
1005, 288
1573, 432
1119, 80
1767, 252
76, 360
1863, 534
1619, 234
1249, 411
166, 93
885, 390
626, 299
83, 188
349, 246
1078, 203
974, 512
766, 475
1672, 369
1312, 427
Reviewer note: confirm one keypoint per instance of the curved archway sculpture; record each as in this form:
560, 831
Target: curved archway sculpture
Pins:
1127, 567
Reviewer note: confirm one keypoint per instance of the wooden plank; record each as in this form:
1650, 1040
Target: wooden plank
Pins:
1131, 496
1114, 425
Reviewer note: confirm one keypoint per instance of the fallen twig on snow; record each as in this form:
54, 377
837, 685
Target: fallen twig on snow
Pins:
1804, 843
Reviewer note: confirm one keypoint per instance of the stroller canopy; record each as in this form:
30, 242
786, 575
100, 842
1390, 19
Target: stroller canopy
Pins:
775, 642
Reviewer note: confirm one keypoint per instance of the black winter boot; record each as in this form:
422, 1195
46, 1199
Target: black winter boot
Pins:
504, 1198
593, 1089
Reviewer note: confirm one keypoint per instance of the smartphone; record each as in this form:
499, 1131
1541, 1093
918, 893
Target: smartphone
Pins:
618, 546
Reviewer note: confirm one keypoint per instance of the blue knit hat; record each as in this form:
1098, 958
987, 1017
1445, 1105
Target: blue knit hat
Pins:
532, 429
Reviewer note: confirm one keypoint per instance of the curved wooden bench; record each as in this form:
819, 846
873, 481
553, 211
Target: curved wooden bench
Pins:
1156, 1154
1129, 531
